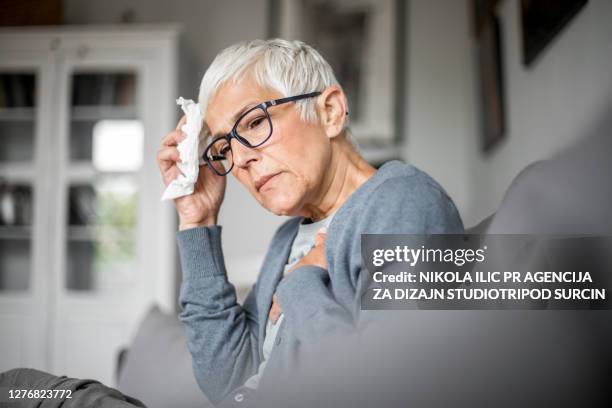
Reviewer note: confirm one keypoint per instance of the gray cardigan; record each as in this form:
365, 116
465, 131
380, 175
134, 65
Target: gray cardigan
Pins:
225, 338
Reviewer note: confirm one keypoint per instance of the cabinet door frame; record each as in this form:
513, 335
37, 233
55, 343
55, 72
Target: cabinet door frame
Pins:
40, 315
83, 317
25, 315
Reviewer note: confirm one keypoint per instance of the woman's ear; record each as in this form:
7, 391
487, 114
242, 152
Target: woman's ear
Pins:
331, 105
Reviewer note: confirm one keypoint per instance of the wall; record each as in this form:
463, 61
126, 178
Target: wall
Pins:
549, 106
553, 103
440, 109
209, 26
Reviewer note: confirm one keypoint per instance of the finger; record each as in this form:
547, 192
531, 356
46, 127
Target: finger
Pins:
164, 165
275, 310
181, 122
172, 173
173, 138
170, 154
321, 236
274, 314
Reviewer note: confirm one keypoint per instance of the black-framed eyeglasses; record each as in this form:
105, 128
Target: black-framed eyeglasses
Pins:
252, 129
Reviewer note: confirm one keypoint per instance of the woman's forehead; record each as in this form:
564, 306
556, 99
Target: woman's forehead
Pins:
231, 99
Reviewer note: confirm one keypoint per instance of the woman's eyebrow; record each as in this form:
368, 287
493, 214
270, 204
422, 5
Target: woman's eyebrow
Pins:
237, 115
244, 109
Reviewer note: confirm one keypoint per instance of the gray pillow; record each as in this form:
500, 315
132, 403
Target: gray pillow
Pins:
157, 369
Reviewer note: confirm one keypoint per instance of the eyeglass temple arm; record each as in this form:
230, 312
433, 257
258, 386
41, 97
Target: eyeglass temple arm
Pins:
291, 99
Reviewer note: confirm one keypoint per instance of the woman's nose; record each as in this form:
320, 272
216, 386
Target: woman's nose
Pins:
243, 156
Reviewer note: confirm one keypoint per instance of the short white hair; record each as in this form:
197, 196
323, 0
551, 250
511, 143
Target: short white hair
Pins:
288, 67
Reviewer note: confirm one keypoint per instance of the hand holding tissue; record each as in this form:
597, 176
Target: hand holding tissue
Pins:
197, 191
190, 150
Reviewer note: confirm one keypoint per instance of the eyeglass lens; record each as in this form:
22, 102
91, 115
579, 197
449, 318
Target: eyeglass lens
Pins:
254, 128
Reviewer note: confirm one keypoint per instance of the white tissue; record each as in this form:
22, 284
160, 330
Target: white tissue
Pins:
190, 152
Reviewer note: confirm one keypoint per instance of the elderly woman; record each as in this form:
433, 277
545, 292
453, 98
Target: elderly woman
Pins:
277, 120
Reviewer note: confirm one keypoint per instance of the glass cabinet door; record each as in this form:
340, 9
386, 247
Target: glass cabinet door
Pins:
105, 154
17, 140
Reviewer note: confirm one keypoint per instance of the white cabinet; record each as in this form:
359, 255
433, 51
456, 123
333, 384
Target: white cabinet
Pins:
86, 245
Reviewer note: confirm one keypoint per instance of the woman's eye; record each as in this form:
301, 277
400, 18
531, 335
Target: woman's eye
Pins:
255, 122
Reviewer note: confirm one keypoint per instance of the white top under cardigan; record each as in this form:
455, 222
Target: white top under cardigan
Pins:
302, 244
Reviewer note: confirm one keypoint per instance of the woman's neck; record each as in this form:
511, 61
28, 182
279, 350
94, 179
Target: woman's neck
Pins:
348, 170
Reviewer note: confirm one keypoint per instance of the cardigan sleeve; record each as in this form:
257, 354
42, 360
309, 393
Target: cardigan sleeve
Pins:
221, 334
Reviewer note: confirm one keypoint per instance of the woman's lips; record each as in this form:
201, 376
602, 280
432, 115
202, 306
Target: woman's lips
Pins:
264, 181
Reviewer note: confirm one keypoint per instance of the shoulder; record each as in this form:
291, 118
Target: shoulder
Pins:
407, 181
398, 185
403, 199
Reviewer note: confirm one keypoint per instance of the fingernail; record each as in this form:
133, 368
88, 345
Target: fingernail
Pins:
322, 230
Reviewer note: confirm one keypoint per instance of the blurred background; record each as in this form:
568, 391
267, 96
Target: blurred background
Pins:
471, 91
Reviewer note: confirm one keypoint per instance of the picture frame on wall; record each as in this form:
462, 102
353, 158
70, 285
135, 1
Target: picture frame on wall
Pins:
542, 21
493, 119
363, 42
490, 69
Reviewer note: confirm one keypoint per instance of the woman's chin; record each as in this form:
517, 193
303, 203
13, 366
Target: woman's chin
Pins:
281, 205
